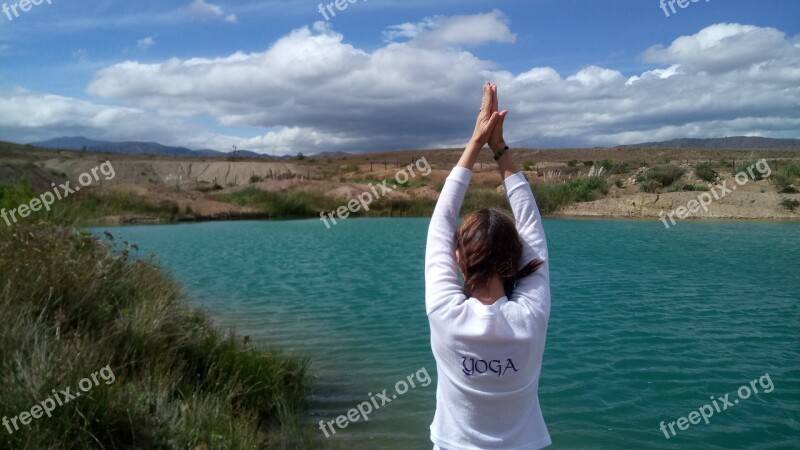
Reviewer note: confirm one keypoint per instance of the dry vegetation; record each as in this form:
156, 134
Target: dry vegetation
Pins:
617, 182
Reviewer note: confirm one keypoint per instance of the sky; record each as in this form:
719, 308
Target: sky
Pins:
290, 76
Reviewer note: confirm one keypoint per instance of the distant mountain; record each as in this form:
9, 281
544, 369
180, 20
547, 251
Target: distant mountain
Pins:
139, 148
731, 143
133, 148
154, 148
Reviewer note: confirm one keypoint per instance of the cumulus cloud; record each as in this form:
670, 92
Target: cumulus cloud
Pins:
454, 31
30, 116
311, 91
723, 47
202, 8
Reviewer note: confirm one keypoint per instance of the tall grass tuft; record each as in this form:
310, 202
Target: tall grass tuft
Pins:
551, 197
73, 304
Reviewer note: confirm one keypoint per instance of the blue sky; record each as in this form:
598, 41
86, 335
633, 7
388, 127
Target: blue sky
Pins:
276, 77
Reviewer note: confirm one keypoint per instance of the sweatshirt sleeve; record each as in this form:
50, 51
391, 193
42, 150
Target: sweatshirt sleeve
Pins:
533, 290
441, 267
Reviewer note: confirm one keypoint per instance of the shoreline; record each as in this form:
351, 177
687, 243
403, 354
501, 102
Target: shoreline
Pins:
146, 221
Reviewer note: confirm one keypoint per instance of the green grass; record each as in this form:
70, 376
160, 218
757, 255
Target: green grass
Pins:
787, 178
748, 167
551, 197
80, 208
283, 205
73, 305
792, 170
300, 204
303, 204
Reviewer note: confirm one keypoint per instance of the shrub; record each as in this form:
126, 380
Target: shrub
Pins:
749, 167
619, 183
694, 187
527, 166
551, 197
783, 183
607, 165
284, 205
663, 176
588, 163
790, 204
618, 169
792, 170
705, 172
572, 163
649, 186
74, 305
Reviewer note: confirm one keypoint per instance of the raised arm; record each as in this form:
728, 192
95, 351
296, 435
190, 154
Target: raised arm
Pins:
441, 267
535, 288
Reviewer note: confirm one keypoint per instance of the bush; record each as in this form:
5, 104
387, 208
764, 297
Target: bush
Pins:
572, 163
790, 204
618, 169
527, 166
551, 197
284, 205
792, 170
619, 183
749, 167
649, 186
694, 187
705, 172
663, 176
588, 163
73, 305
783, 183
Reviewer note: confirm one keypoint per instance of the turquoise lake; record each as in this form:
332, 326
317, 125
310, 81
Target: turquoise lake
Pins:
646, 325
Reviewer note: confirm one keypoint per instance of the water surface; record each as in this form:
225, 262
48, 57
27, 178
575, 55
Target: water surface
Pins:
647, 324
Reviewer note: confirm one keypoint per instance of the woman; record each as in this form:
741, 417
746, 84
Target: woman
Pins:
487, 337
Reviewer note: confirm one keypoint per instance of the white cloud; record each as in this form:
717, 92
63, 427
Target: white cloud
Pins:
722, 47
457, 30
310, 91
204, 9
29, 116
145, 43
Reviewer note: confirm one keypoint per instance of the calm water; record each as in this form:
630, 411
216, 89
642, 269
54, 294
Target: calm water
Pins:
646, 323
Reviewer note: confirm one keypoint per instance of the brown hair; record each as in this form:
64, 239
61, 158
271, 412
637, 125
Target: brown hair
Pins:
489, 245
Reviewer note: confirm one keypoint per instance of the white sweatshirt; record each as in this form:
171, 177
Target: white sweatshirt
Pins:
488, 358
